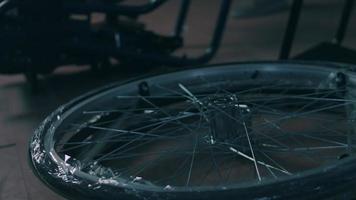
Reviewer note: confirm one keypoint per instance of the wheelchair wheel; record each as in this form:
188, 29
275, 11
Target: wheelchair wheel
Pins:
269, 130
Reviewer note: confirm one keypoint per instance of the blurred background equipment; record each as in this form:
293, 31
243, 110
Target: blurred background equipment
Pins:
38, 36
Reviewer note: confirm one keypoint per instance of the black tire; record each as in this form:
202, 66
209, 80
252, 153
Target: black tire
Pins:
78, 170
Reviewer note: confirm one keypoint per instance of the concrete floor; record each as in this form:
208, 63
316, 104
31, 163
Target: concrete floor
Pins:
245, 39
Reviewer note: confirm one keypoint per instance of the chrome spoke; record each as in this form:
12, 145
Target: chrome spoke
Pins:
283, 129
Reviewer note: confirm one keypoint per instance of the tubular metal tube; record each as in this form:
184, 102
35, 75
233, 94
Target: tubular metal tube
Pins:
344, 21
182, 16
291, 29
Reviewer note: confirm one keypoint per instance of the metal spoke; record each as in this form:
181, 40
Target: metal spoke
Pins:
173, 126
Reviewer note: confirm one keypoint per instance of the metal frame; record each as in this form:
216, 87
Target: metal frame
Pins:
79, 37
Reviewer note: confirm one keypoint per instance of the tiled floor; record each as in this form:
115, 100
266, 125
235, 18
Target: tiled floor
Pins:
245, 39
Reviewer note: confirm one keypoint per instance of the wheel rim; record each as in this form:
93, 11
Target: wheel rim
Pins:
276, 126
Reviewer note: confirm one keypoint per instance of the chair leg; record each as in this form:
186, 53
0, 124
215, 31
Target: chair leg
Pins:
32, 79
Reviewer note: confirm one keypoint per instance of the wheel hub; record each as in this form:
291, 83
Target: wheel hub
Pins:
229, 120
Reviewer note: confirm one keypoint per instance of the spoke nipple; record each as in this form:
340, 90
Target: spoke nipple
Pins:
168, 187
343, 156
137, 178
144, 89
233, 150
212, 141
